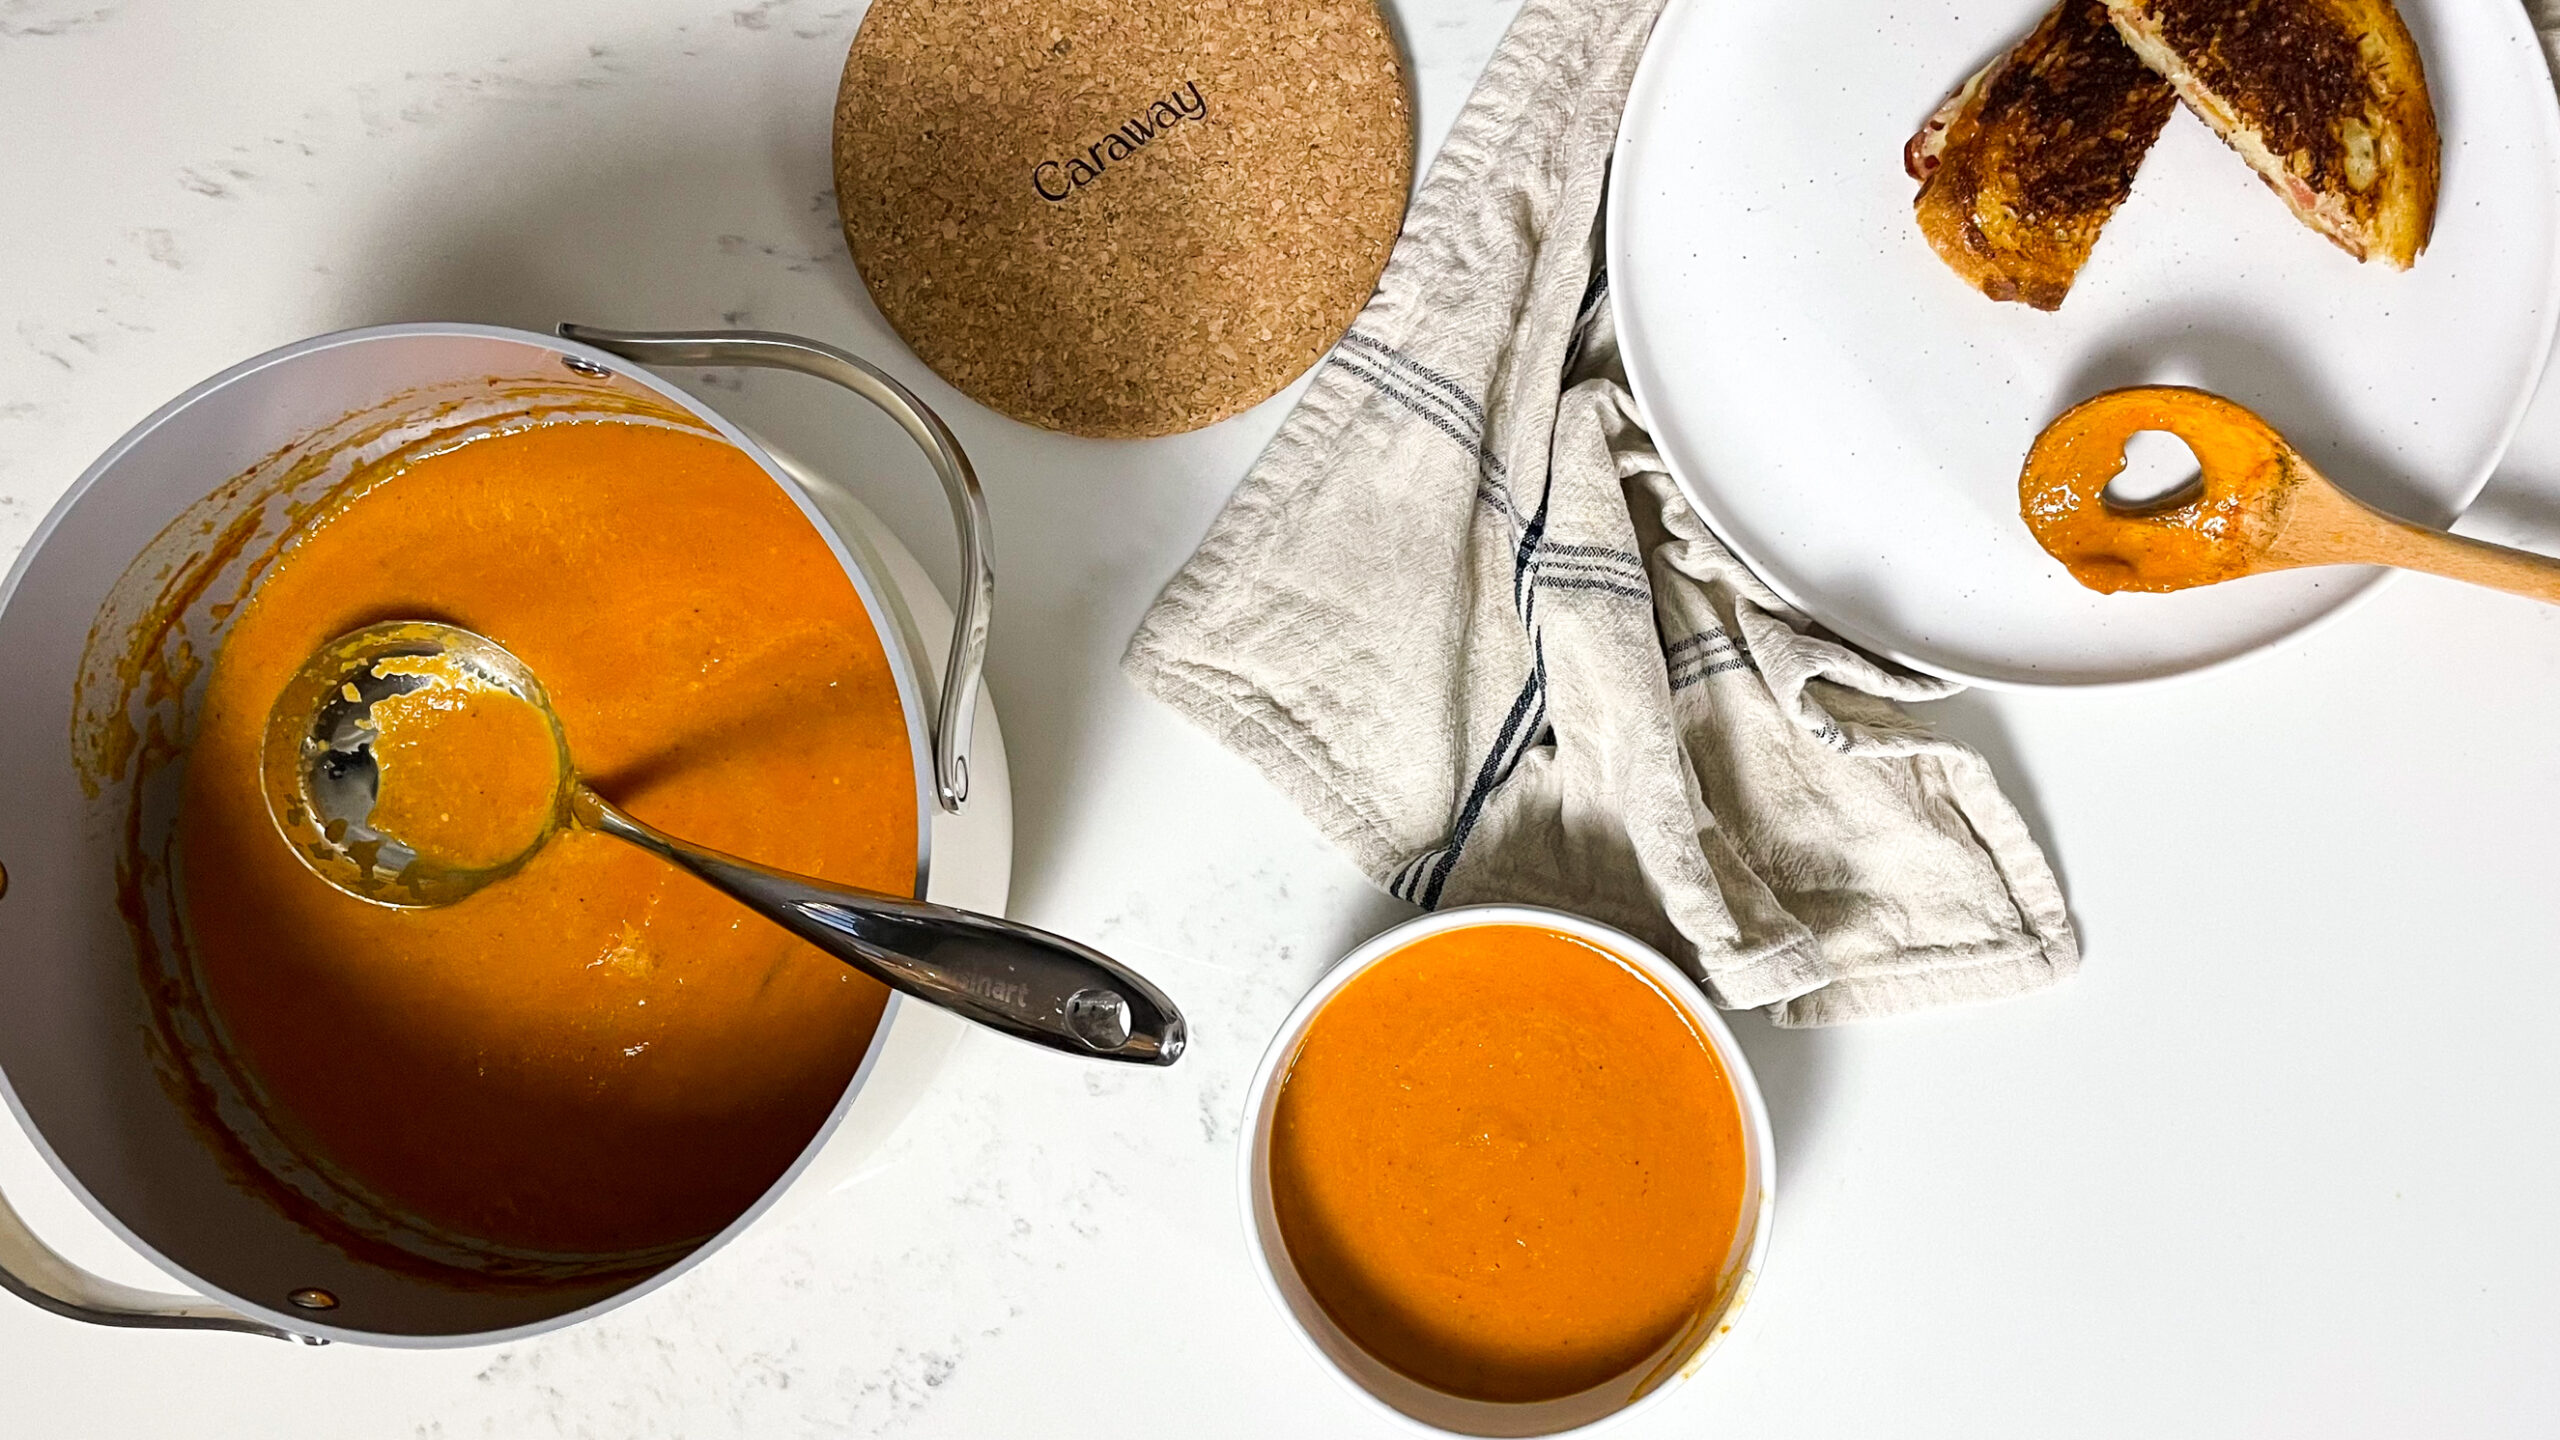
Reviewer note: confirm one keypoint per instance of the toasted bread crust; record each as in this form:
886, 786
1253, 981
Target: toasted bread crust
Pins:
2021, 168
2326, 99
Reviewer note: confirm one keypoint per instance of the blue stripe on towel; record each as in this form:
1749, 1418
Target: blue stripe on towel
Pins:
1597, 552
1591, 567
1578, 582
1429, 375
1435, 418
1703, 639
1447, 421
1523, 728
1403, 886
1488, 775
1703, 655
1523, 558
1417, 395
1440, 402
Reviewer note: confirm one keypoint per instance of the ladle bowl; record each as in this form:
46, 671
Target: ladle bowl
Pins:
323, 778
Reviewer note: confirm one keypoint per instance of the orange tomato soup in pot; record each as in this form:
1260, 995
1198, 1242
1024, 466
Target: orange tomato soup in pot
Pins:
596, 1055
1508, 1165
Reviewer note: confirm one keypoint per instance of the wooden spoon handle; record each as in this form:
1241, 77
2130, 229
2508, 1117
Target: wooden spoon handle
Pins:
2499, 567
2330, 527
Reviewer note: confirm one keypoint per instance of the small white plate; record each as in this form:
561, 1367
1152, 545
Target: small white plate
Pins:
1851, 417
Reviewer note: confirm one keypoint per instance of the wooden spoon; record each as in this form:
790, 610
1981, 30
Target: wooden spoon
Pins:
2259, 506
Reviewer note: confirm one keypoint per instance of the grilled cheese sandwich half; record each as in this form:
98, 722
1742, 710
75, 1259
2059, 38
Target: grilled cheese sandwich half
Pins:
2326, 99
2022, 166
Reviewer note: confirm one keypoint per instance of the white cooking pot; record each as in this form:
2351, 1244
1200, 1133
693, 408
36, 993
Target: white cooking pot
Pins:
86, 1063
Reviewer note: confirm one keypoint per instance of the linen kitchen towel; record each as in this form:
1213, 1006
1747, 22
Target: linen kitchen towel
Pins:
1460, 614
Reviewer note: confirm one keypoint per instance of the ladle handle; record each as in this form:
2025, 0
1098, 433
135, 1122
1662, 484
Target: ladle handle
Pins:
969, 619
1027, 983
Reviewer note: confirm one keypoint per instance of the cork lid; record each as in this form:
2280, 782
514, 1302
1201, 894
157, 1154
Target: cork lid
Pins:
1122, 219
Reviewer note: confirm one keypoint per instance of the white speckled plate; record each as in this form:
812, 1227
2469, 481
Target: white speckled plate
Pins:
1851, 417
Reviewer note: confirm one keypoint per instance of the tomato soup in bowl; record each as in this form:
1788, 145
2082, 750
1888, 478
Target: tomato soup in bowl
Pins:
1507, 1172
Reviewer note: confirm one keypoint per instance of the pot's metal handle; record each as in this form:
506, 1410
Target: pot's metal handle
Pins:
770, 351
34, 1272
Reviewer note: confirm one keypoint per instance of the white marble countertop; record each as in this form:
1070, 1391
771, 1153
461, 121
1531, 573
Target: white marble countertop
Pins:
2280, 1162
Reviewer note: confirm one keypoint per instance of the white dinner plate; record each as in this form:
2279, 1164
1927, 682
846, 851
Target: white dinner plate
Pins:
1851, 417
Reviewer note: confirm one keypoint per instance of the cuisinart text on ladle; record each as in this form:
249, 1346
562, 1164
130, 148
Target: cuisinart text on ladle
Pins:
1075, 174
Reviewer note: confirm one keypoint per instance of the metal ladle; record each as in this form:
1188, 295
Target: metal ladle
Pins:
322, 781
